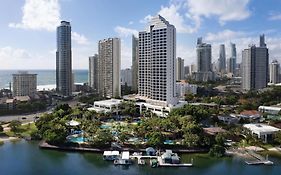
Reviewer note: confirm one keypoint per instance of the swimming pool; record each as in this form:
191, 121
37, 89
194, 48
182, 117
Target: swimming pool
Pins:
77, 139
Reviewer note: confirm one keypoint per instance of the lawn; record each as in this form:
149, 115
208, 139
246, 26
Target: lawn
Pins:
23, 130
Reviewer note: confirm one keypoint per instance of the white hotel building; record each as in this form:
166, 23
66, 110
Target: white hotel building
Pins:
157, 60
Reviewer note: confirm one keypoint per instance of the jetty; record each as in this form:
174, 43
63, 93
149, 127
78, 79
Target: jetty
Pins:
161, 163
259, 160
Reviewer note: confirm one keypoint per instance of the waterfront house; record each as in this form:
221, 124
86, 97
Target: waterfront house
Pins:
262, 131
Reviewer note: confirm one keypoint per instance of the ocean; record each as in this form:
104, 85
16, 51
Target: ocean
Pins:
45, 78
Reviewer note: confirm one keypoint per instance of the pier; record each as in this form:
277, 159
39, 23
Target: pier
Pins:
259, 159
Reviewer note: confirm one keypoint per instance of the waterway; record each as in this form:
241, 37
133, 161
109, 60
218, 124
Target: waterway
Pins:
25, 158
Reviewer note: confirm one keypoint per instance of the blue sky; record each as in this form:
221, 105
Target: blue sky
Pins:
28, 37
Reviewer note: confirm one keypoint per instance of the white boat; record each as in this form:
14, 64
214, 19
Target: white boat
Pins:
124, 160
111, 155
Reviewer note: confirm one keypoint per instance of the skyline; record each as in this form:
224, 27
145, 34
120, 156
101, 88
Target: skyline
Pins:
33, 41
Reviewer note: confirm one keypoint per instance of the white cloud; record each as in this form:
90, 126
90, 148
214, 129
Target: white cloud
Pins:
187, 53
79, 38
275, 17
173, 15
146, 19
224, 35
225, 10
125, 32
131, 22
8, 52
39, 15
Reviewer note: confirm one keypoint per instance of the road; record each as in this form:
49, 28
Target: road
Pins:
24, 118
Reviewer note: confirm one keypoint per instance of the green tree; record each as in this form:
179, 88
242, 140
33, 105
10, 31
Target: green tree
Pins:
278, 137
14, 125
217, 151
1, 128
191, 140
155, 138
56, 134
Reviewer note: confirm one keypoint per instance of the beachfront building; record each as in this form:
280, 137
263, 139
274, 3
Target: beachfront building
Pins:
135, 63
64, 60
24, 84
274, 72
93, 72
255, 66
109, 65
104, 106
180, 69
262, 131
204, 62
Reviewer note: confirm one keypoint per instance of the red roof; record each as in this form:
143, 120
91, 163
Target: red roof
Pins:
250, 112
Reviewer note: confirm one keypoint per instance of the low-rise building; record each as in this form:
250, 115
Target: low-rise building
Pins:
111, 105
250, 114
269, 109
262, 131
183, 88
229, 119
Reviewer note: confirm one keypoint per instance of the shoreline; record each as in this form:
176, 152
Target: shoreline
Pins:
44, 145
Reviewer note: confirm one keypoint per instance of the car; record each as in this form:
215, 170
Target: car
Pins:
23, 118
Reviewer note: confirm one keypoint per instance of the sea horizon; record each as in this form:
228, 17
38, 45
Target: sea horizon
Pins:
45, 77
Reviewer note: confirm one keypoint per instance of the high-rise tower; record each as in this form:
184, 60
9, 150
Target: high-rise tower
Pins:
63, 59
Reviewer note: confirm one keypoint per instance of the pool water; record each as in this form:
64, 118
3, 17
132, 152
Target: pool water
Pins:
78, 139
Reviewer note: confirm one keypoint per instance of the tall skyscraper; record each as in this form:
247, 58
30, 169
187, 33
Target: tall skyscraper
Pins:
274, 72
204, 61
24, 84
109, 64
180, 69
93, 71
63, 59
186, 72
221, 65
135, 63
126, 77
157, 59
231, 61
255, 66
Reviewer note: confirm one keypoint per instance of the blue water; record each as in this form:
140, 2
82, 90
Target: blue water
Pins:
78, 139
44, 77
25, 158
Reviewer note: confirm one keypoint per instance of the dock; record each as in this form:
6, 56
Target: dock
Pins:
259, 159
161, 164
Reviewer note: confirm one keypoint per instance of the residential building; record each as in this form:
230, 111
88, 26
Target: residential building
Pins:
126, 77
93, 72
221, 64
135, 63
204, 61
231, 62
180, 69
109, 68
183, 88
24, 84
255, 66
274, 72
64, 59
157, 59
186, 72
262, 131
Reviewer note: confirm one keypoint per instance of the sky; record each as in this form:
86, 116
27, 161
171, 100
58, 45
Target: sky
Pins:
28, 27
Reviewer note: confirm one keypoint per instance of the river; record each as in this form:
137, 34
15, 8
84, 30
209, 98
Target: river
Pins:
25, 158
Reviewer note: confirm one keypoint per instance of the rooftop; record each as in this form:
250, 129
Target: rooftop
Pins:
260, 127
109, 102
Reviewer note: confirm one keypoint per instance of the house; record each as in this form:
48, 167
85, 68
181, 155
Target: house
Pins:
274, 110
262, 131
229, 119
213, 130
250, 114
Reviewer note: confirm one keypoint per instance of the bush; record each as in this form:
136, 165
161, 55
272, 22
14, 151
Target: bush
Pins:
217, 151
